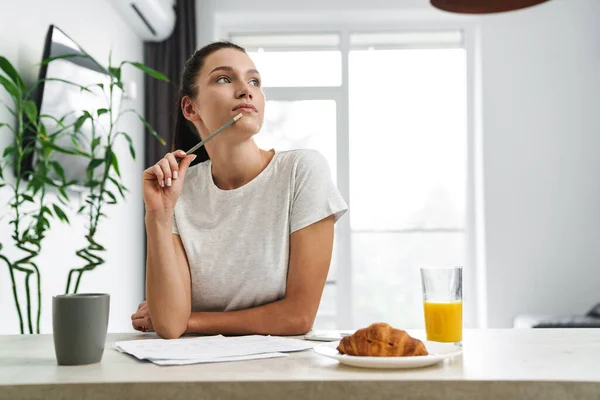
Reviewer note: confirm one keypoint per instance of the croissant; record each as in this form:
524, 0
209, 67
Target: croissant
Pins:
381, 340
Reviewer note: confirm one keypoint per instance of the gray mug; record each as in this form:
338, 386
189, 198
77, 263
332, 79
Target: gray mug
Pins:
79, 324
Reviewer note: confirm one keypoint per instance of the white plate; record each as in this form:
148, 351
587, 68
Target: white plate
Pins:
438, 352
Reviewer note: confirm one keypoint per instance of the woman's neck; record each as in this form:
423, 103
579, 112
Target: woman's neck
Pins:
235, 166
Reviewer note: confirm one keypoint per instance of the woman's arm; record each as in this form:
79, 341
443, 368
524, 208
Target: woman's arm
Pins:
310, 256
167, 278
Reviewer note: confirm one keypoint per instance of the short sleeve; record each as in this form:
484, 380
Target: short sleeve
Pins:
174, 228
315, 195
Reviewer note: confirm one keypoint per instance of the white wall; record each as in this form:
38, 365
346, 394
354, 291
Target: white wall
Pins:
541, 100
540, 125
98, 29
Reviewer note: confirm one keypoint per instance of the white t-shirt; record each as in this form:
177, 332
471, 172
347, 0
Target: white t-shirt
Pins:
238, 241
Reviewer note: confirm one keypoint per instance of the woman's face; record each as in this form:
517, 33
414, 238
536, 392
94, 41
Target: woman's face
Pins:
228, 84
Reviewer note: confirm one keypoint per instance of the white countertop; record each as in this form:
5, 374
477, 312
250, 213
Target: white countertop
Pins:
527, 363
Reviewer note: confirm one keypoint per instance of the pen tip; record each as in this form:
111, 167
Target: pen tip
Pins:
240, 115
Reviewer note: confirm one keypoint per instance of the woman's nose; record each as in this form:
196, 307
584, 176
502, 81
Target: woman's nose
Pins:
244, 91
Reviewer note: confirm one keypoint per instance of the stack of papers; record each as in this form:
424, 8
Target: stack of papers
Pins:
208, 349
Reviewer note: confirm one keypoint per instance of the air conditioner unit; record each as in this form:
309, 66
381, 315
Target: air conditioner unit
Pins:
152, 20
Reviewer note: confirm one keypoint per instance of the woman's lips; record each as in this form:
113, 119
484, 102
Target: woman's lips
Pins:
247, 108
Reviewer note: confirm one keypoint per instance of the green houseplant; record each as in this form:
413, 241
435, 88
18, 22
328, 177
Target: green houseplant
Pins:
31, 210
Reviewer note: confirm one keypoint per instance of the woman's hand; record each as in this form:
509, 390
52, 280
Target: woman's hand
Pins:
162, 182
141, 320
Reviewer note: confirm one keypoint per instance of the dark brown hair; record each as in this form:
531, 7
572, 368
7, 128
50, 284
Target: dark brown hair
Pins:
185, 135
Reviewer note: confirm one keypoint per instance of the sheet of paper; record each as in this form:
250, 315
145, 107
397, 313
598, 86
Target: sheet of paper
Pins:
210, 347
216, 360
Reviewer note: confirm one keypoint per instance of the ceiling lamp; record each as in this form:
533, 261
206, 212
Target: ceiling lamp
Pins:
483, 6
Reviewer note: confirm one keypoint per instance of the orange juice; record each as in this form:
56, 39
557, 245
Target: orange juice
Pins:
443, 321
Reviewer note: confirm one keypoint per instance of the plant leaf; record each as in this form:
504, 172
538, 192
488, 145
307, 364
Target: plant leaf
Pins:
81, 88
60, 214
67, 151
92, 184
151, 129
96, 162
63, 193
80, 121
74, 141
147, 70
63, 201
111, 156
59, 122
9, 127
72, 55
35, 184
59, 169
116, 72
113, 199
95, 143
10, 87
12, 73
9, 150
101, 111
31, 111
80, 209
43, 132
131, 149
10, 110
118, 185
49, 181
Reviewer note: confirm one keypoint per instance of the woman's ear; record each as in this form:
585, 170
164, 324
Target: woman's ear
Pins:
189, 109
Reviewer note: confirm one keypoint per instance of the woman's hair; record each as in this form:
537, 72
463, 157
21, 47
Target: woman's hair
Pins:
185, 135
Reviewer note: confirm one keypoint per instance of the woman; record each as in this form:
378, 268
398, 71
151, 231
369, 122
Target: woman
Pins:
239, 242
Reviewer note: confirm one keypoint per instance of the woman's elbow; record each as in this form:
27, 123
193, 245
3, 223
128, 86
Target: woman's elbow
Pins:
170, 328
169, 324
301, 325
169, 332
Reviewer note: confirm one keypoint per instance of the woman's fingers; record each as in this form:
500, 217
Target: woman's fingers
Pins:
170, 157
136, 323
138, 315
142, 311
141, 320
185, 164
166, 169
160, 178
141, 324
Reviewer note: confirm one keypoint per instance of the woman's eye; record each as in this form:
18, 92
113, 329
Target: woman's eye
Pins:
223, 79
255, 82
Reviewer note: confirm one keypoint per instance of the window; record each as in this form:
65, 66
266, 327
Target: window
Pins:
298, 68
394, 132
287, 126
295, 60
